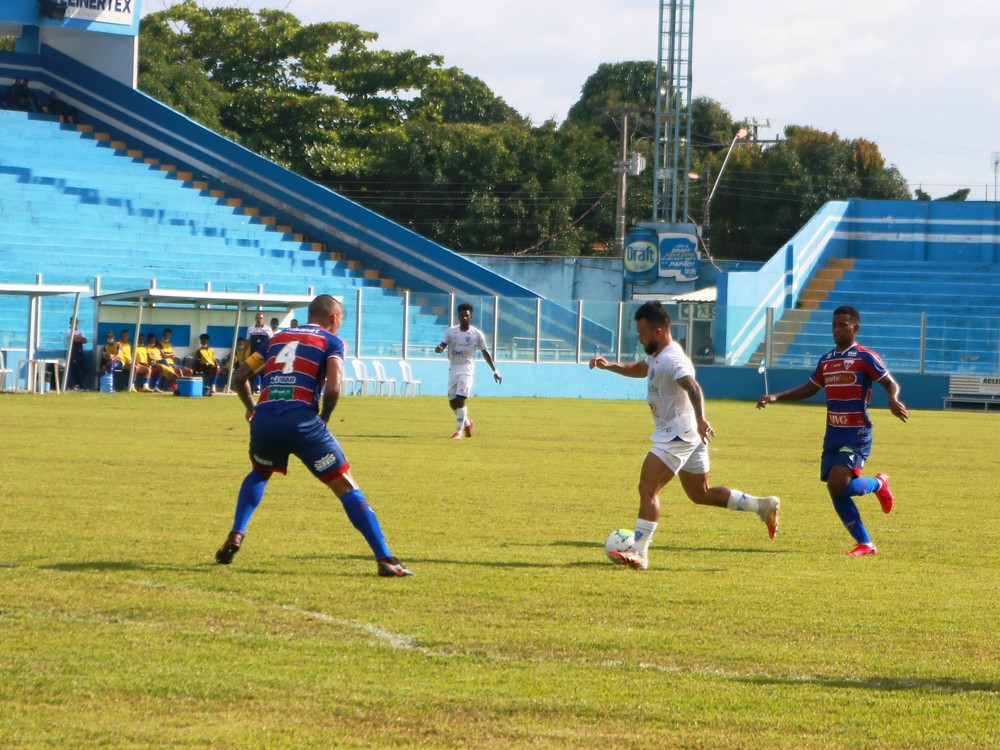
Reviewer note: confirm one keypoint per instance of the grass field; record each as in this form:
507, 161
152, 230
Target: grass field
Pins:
117, 630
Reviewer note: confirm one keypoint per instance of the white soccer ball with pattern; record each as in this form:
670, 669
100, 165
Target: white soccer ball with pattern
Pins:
618, 540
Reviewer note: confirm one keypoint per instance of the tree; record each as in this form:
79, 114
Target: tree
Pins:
308, 97
455, 97
957, 196
632, 84
490, 188
766, 195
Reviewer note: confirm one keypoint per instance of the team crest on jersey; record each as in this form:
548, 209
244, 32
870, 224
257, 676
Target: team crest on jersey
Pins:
848, 363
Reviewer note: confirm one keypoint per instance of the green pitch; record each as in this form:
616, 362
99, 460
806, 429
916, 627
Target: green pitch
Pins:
117, 630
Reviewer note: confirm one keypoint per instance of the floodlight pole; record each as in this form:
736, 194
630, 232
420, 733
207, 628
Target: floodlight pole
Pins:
741, 133
996, 172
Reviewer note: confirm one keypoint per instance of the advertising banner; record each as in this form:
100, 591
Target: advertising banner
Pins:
678, 256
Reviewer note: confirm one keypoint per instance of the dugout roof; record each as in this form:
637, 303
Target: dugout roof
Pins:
35, 292
187, 298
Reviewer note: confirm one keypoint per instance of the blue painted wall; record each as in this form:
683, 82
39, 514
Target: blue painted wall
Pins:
571, 380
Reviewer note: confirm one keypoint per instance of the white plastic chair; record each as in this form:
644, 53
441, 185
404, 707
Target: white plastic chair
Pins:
411, 386
347, 384
384, 385
4, 372
361, 378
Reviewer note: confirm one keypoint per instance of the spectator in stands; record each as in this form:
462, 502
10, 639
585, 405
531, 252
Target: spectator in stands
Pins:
847, 374
77, 360
258, 335
705, 354
56, 106
294, 323
21, 97
206, 364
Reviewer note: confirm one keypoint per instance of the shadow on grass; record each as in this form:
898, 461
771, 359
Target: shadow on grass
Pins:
416, 562
135, 565
888, 684
662, 548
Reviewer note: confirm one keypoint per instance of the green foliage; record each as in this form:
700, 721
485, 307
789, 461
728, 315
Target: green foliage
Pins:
309, 97
632, 84
767, 194
456, 97
489, 188
120, 631
434, 149
958, 195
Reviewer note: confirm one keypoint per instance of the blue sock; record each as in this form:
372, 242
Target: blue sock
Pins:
861, 486
365, 521
251, 493
851, 518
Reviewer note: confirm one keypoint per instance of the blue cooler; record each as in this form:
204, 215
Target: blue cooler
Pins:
190, 387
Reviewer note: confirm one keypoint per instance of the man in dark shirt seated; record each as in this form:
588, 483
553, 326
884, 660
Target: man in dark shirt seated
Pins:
705, 354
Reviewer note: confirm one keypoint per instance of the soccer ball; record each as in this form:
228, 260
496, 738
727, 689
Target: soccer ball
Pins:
618, 540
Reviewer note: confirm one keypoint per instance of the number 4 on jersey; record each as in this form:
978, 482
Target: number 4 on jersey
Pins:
286, 357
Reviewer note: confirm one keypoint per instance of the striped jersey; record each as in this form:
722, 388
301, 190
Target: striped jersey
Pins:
847, 378
295, 367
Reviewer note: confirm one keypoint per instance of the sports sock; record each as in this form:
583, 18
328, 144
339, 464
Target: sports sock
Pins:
742, 501
862, 486
460, 415
365, 521
251, 493
643, 535
851, 518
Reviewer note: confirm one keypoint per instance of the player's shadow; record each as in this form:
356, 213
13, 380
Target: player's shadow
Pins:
671, 548
124, 566
887, 684
735, 550
416, 561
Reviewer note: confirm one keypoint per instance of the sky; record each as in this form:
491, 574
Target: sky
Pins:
919, 78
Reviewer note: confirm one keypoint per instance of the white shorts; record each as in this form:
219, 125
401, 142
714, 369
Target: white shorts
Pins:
680, 455
459, 384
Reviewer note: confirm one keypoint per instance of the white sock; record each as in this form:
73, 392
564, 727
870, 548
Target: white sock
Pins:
460, 415
742, 501
643, 535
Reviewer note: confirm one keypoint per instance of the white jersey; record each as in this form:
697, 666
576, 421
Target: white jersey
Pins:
462, 346
673, 414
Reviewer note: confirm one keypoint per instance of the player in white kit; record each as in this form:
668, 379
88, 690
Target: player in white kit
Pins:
681, 434
462, 342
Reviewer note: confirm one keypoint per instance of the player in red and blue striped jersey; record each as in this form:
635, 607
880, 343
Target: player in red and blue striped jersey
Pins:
302, 372
847, 374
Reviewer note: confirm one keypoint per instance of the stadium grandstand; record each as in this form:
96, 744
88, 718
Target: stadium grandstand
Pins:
135, 196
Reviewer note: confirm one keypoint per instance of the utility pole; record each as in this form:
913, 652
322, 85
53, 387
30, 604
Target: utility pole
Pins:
622, 187
627, 165
706, 222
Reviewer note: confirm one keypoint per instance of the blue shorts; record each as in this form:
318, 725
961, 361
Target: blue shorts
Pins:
275, 436
853, 457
